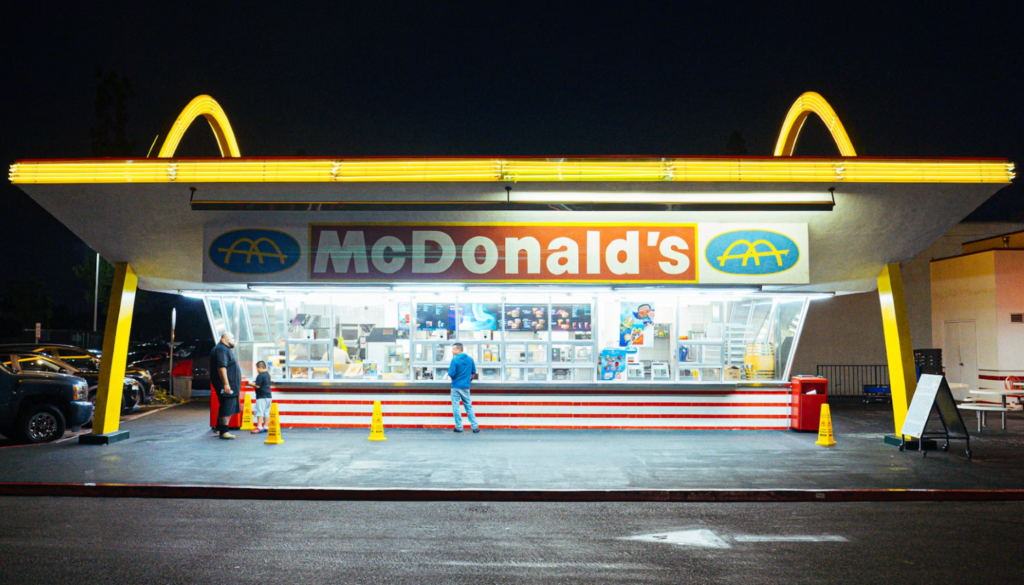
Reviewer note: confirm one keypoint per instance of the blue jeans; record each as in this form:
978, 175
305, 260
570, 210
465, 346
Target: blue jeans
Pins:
463, 395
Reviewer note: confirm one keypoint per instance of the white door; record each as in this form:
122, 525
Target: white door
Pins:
969, 353
960, 352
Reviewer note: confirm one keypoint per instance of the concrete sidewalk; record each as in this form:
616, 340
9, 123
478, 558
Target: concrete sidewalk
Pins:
176, 446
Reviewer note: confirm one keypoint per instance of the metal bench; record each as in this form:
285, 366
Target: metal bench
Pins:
982, 410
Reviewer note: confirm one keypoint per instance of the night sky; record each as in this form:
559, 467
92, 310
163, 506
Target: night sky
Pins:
493, 78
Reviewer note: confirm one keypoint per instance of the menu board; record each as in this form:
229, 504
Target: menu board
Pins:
479, 317
570, 317
526, 318
435, 316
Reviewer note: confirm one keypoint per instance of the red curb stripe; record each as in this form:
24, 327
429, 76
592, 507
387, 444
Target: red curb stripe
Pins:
216, 492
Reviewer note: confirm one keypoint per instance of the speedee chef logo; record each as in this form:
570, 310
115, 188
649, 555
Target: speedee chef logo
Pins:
255, 251
504, 252
752, 252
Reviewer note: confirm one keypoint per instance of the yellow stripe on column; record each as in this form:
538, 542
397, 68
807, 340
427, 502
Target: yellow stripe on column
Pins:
898, 348
115, 350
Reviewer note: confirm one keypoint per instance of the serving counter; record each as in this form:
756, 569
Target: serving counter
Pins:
541, 406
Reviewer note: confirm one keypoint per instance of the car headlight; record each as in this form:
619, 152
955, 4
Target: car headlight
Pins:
81, 391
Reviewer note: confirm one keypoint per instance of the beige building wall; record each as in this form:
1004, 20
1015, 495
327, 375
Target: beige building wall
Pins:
1009, 301
847, 330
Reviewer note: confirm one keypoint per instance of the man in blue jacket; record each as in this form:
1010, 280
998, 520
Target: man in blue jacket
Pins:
461, 371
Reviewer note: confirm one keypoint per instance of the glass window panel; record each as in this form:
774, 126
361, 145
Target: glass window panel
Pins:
299, 373
424, 352
537, 352
490, 353
443, 352
561, 353
218, 317
583, 374
790, 315
561, 374
298, 352
515, 353
515, 374
584, 354
257, 320
276, 316
490, 374
537, 374
320, 373
320, 351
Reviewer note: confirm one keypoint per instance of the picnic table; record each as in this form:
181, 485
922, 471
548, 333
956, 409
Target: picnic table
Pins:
983, 409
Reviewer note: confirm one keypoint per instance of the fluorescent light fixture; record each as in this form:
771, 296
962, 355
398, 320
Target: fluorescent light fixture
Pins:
193, 295
759, 198
282, 289
820, 296
739, 290
539, 290
426, 288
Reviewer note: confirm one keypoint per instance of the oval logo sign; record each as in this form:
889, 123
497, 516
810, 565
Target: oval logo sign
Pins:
255, 251
752, 252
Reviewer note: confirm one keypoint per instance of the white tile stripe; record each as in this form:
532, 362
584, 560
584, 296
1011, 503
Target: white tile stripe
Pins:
499, 421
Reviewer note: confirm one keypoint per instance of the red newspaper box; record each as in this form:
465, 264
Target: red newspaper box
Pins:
236, 420
809, 393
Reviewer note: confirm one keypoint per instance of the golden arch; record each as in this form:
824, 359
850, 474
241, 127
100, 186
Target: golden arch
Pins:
254, 250
812, 102
751, 253
208, 108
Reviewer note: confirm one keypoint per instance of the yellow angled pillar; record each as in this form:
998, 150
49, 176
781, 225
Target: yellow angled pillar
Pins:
898, 348
115, 356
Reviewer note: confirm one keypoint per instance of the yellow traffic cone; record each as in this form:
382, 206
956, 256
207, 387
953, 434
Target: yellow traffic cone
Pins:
377, 424
825, 438
247, 414
274, 429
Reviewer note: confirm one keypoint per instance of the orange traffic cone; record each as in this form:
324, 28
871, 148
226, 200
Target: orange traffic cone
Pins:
377, 424
825, 438
274, 428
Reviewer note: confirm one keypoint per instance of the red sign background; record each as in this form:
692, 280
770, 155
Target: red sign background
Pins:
640, 253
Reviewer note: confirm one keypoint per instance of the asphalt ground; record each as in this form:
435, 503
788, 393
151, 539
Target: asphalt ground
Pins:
175, 446
101, 541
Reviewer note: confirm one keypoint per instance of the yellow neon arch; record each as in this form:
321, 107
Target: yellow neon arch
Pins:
208, 108
812, 102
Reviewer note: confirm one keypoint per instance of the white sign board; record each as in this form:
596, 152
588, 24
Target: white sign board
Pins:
921, 405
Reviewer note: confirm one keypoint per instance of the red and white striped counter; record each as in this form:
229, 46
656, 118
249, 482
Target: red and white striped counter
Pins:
569, 407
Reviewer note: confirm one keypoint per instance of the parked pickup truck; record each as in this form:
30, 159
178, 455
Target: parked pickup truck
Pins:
36, 407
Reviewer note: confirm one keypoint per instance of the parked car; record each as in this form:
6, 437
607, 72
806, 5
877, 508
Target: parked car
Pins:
37, 406
22, 362
84, 361
191, 359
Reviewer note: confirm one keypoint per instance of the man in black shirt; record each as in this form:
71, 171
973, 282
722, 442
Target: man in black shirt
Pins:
227, 382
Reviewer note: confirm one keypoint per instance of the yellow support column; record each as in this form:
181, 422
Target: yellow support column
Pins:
898, 348
115, 356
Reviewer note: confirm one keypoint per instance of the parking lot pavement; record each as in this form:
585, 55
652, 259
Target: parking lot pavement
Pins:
67, 540
175, 446
70, 434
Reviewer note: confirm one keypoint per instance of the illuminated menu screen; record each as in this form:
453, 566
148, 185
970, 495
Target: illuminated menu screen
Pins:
435, 316
570, 317
526, 318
